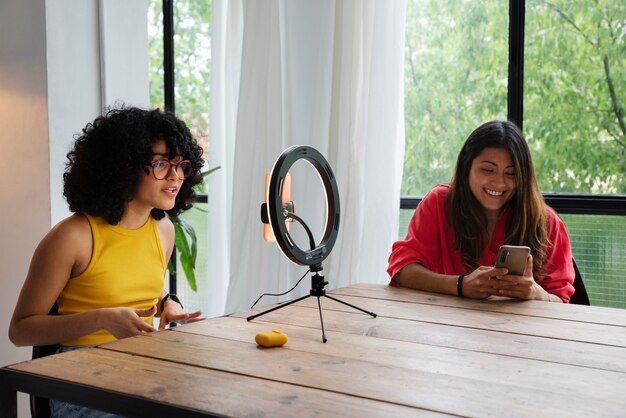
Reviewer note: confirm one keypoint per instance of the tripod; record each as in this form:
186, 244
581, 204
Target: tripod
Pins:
317, 289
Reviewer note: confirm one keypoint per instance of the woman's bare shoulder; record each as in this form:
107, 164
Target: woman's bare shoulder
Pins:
75, 226
165, 225
70, 242
72, 235
166, 232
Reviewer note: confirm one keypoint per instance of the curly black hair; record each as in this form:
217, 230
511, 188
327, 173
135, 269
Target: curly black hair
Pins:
104, 166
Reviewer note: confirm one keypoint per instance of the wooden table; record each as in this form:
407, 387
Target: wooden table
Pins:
425, 354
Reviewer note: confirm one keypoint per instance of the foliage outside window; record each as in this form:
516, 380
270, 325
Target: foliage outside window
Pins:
575, 93
192, 62
574, 89
456, 69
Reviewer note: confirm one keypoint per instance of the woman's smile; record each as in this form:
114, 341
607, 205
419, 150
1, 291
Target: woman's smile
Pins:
492, 178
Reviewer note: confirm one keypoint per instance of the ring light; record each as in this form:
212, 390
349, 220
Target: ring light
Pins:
278, 212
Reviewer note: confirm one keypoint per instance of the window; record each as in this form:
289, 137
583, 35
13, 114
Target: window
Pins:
575, 93
192, 61
456, 61
570, 101
190, 99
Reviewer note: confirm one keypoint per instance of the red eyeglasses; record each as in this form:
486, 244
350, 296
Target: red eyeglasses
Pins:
161, 169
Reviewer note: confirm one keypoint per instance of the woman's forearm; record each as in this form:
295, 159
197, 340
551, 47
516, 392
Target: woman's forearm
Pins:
53, 329
416, 276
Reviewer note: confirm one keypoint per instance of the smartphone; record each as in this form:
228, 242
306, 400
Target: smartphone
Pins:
513, 258
268, 234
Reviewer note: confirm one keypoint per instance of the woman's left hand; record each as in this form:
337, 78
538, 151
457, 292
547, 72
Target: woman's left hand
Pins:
522, 287
173, 312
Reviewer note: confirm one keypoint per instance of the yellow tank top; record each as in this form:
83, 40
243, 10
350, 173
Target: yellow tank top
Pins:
127, 268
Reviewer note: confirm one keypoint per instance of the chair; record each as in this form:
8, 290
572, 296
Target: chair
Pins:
40, 407
580, 296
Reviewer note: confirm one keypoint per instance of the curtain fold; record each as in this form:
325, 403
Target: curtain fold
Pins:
326, 74
227, 32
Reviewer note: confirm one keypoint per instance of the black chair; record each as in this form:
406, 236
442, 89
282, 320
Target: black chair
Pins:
580, 296
40, 407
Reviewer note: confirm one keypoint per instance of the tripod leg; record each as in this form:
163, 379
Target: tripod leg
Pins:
250, 318
352, 306
319, 307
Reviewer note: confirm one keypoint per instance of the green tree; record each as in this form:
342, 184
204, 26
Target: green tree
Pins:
456, 64
192, 62
574, 94
455, 78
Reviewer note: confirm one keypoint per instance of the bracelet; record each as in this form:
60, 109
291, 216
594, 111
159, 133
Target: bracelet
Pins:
170, 296
459, 286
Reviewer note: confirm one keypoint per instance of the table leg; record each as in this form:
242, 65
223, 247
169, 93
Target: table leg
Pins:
8, 399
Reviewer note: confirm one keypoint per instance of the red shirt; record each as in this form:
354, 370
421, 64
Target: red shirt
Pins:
430, 243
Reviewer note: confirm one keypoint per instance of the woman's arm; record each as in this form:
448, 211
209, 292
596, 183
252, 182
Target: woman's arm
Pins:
416, 276
167, 235
559, 275
479, 284
172, 310
63, 253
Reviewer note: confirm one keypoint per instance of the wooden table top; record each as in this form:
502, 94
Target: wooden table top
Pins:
425, 354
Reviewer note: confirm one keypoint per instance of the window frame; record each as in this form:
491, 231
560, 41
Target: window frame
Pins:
570, 203
168, 94
564, 203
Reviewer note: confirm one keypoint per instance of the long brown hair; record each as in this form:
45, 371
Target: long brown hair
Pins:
466, 216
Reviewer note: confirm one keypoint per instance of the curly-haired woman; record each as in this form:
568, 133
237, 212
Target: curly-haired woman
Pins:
104, 265
493, 199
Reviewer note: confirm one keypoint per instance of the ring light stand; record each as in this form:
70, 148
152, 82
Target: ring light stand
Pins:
277, 213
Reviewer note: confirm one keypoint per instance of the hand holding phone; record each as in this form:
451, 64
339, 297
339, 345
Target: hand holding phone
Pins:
513, 258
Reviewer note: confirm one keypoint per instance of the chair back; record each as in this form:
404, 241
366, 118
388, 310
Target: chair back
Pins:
40, 407
580, 296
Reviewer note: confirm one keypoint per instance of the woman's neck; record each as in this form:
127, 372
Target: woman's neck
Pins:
133, 218
492, 220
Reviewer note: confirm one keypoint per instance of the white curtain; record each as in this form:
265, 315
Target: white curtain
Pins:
328, 74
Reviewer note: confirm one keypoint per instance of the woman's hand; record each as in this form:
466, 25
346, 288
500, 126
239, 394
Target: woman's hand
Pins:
173, 312
522, 287
479, 283
126, 322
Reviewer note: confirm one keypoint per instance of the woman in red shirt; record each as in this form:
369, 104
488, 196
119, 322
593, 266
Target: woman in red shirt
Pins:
493, 199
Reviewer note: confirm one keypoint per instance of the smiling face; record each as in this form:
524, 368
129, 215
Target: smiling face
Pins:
492, 179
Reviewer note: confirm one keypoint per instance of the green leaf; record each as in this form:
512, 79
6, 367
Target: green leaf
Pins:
180, 240
188, 268
206, 173
191, 232
188, 253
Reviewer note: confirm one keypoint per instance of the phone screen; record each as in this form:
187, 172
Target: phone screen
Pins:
268, 234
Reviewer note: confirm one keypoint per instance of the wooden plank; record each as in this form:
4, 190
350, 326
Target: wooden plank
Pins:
424, 353
203, 389
594, 314
118, 403
480, 319
441, 335
332, 371
490, 368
